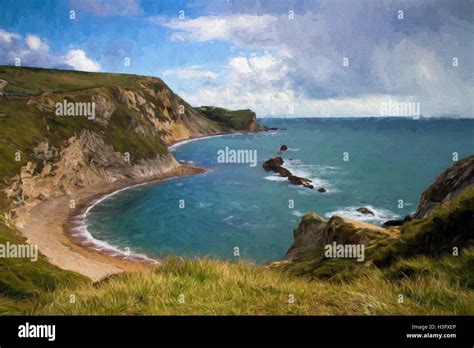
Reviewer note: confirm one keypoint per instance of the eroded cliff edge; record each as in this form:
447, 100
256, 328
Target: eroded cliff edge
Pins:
44, 155
443, 224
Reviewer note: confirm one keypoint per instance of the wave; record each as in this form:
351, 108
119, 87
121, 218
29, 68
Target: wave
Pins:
275, 177
80, 232
183, 142
380, 214
297, 213
308, 171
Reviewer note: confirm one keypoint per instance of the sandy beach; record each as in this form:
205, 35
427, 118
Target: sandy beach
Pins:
48, 225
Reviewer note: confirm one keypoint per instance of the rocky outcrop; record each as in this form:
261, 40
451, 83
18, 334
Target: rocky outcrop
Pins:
429, 233
275, 165
391, 223
446, 186
297, 180
272, 164
314, 233
283, 148
365, 211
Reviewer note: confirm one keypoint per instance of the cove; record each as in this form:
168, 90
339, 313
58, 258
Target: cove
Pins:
236, 205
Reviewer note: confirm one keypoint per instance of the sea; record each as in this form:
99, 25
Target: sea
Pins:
237, 211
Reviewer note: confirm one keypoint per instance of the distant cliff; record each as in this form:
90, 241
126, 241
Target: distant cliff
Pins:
44, 154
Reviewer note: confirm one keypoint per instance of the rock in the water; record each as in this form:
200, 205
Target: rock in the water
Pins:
321, 189
297, 180
283, 147
283, 172
272, 164
266, 128
365, 211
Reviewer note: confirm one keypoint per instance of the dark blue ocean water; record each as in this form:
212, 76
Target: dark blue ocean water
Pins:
236, 205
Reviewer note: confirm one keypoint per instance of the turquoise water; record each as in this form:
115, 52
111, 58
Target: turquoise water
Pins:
236, 205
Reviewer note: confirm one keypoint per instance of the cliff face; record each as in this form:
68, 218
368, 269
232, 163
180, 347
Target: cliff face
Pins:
46, 155
447, 185
444, 223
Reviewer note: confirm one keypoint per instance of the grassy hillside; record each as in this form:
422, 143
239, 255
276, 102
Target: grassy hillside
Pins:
21, 279
214, 287
37, 81
238, 119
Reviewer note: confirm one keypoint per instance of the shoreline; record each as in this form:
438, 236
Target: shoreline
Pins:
50, 225
55, 228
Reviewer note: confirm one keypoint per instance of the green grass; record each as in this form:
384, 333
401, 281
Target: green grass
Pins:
450, 226
223, 288
238, 119
37, 80
22, 279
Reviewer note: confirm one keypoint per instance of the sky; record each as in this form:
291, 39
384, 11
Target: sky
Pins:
289, 58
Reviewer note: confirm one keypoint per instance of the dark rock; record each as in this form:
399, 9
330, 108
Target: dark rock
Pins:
321, 189
364, 211
447, 185
283, 172
297, 180
391, 223
283, 147
272, 164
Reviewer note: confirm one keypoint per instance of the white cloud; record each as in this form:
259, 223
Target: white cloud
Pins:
7, 37
33, 51
304, 57
79, 61
259, 69
35, 43
262, 83
216, 28
192, 72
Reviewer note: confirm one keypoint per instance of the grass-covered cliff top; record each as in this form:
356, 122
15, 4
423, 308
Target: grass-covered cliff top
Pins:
235, 119
37, 80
